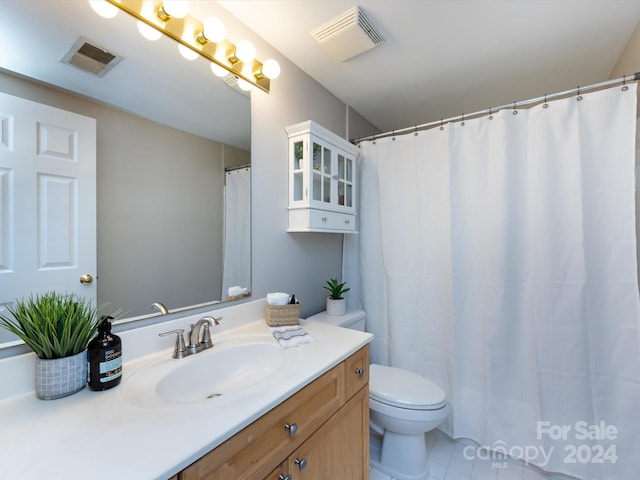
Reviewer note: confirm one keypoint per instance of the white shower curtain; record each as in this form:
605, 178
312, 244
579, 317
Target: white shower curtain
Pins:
498, 258
237, 230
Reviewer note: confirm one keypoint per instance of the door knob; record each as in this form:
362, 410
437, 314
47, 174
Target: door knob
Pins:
86, 279
360, 372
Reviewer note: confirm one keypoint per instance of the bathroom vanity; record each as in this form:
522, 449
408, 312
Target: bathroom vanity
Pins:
304, 417
319, 432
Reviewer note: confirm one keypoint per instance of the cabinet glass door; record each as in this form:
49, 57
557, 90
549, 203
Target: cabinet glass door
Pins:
298, 170
321, 173
345, 181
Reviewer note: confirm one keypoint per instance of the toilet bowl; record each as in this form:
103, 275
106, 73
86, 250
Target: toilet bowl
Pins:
403, 407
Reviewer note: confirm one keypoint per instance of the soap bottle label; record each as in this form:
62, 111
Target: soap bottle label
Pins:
111, 367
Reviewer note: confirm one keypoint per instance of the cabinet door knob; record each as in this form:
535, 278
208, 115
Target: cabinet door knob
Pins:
292, 428
282, 477
302, 464
360, 372
324, 219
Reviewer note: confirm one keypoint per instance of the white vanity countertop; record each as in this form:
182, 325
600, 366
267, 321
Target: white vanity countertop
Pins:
106, 435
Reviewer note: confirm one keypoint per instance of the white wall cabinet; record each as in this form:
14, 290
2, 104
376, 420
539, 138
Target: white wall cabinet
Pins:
322, 180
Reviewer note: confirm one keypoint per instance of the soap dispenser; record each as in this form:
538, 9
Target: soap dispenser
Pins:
105, 358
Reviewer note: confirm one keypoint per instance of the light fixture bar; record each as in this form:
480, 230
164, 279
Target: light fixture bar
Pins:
186, 32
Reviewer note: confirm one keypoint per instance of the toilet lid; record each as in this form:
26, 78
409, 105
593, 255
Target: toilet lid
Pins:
404, 389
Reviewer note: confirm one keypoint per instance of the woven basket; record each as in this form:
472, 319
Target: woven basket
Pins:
281, 315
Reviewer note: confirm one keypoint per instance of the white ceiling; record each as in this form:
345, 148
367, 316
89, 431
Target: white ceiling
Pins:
442, 58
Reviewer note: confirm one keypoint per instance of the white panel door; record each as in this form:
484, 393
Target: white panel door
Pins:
47, 200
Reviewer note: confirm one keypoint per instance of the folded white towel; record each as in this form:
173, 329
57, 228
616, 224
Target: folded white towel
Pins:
291, 336
236, 291
278, 298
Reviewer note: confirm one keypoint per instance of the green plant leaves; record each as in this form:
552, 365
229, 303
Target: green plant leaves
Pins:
53, 325
336, 289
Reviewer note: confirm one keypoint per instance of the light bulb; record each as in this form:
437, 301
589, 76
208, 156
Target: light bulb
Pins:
148, 32
271, 69
104, 9
245, 51
243, 84
175, 8
214, 30
187, 52
217, 70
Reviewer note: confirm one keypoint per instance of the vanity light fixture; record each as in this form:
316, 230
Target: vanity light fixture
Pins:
170, 17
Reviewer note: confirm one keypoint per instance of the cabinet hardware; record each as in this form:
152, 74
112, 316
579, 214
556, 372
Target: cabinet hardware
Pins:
302, 464
360, 372
292, 428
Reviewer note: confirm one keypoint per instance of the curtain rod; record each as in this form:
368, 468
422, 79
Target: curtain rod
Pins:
534, 101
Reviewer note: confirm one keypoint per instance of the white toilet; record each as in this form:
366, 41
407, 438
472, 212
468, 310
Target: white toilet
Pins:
403, 406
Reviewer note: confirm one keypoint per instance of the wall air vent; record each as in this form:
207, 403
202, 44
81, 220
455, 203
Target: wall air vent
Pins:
91, 58
232, 81
348, 35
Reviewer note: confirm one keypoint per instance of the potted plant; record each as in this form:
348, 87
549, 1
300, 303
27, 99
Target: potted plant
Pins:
57, 328
336, 304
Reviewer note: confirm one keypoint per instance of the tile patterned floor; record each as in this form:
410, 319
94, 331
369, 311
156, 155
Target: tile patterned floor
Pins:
448, 462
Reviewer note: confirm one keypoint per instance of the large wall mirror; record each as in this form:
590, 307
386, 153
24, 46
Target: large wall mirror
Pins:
170, 135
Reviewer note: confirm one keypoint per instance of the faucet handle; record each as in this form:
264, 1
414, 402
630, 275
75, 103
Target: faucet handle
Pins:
179, 350
206, 331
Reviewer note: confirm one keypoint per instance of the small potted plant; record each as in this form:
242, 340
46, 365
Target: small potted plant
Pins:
57, 328
336, 304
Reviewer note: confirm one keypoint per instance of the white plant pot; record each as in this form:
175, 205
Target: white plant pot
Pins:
336, 307
59, 377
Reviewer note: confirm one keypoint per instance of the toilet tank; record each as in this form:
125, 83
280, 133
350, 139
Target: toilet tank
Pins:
353, 319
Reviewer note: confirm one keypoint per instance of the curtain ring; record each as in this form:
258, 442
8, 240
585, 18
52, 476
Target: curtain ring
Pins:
545, 104
624, 83
415, 131
441, 126
579, 97
393, 135
515, 109
462, 120
490, 114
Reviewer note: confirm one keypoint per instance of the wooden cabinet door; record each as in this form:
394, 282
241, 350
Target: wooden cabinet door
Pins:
340, 448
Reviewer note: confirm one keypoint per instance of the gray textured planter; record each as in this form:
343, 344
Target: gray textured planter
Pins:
60, 377
336, 307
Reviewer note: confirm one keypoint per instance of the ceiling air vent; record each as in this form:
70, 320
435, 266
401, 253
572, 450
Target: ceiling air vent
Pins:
91, 58
348, 35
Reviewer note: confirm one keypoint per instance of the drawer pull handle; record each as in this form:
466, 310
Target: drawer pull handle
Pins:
324, 219
302, 464
347, 222
282, 477
360, 372
292, 427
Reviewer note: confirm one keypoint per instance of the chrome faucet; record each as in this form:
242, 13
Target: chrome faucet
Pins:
160, 307
195, 344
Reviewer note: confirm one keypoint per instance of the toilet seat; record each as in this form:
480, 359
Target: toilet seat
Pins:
403, 389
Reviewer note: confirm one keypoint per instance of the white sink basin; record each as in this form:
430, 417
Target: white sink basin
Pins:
233, 366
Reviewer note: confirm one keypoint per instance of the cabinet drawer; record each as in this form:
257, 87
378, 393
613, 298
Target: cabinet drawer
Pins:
331, 220
309, 219
356, 374
258, 449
